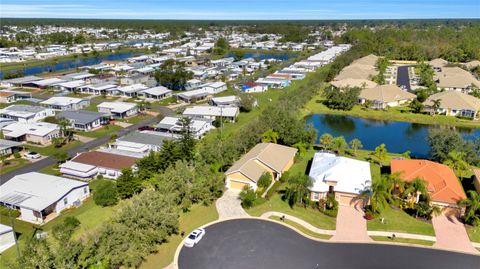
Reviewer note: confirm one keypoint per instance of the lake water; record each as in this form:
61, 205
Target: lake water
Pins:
397, 136
73, 63
262, 56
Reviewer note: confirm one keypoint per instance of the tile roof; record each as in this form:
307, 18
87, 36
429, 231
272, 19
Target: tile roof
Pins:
443, 185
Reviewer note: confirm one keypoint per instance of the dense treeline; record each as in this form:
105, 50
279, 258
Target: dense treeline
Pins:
454, 44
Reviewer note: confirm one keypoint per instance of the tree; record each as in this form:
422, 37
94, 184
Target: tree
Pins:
379, 194
172, 75
355, 144
187, 140
456, 161
414, 189
247, 102
297, 190
416, 106
248, 197
326, 141
270, 136
221, 46
105, 193
444, 141
436, 103
381, 154
128, 184
265, 180
472, 204
341, 99
60, 155
238, 54
339, 144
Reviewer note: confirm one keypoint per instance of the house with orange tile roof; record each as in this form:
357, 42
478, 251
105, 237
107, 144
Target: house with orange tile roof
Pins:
442, 184
476, 179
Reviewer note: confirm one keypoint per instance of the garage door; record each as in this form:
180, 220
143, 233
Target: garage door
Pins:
349, 200
237, 185
451, 211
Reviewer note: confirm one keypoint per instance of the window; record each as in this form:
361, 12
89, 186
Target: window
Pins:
65, 200
315, 196
85, 190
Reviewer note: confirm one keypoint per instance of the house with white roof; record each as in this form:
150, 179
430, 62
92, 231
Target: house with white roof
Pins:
343, 177
49, 82
215, 87
118, 110
40, 197
9, 96
100, 88
131, 90
193, 84
224, 101
8, 147
192, 96
141, 142
198, 127
212, 113
155, 93
7, 237
34, 132
26, 113
71, 86
64, 103
84, 120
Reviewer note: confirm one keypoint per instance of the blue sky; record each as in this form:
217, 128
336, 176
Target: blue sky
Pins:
241, 9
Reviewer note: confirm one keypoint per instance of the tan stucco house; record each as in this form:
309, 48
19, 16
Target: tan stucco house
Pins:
264, 157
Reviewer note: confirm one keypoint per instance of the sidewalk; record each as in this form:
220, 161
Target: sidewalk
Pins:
305, 224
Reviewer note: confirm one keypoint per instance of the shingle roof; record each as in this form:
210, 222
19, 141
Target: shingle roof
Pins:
454, 100
386, 94
106, 160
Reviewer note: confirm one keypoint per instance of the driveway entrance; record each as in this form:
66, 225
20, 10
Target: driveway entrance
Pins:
451, 234
351, 225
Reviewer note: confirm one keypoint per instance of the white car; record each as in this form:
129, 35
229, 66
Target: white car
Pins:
194, 237
32, 155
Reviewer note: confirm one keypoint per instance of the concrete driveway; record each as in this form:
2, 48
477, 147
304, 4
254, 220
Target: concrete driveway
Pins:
229, 206
351, 225
451, 234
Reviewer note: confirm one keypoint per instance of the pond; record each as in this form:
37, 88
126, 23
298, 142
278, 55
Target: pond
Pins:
72, 63
262, 56
397, 136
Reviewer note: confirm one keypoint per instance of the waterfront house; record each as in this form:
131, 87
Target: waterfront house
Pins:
454, 103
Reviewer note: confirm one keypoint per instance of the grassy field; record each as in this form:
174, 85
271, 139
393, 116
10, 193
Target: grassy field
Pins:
14, 164
105, 130
310, 215
301, 228
50, 150
394, 114
136, 119
403, 240
474, 234
197, 216
396, 220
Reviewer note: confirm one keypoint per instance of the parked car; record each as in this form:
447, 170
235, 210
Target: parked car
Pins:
194, 237
32, 155
146, 128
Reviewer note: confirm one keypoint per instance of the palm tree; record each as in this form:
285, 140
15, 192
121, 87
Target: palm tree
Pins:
436, 105
415, 188
326, 141
472, 212
381, 154
456, 161
397, 184
379, 194
270, 136
355, 144
339, 144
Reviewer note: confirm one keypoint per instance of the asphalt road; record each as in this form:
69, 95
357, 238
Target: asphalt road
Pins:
36, 166
256, 244
403, 78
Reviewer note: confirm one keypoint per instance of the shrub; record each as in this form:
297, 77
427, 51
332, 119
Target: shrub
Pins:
248, 197
17, 155
4, 212
105, 193
71, 222
265, 180
273, 190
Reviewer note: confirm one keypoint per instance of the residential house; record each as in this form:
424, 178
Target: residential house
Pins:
345, 178
212, 113
225, 101
454, 103
192, 96
274, 83
19, 82
118, 110
26, 113
48, 82
7, 237
66, 103
215, 87
8, 147
455, 79
438, 64
9, 96
131, 90
141, 142
155, 93
83, 120
89, 164
100, 88
263, 158
384, 96
193, 84
34, 132
443, 186
251, 87
172, 125
351, 83
40, 197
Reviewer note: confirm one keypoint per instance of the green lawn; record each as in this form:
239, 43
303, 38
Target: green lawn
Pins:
312, 216
50, 170
14, 164
136, 119
395, 114
50, 150
105, 130
301, 228
196, 217
395, 220
403, 240
474, 234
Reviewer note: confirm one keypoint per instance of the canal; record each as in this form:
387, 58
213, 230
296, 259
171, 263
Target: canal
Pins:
397, 136
71, 63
